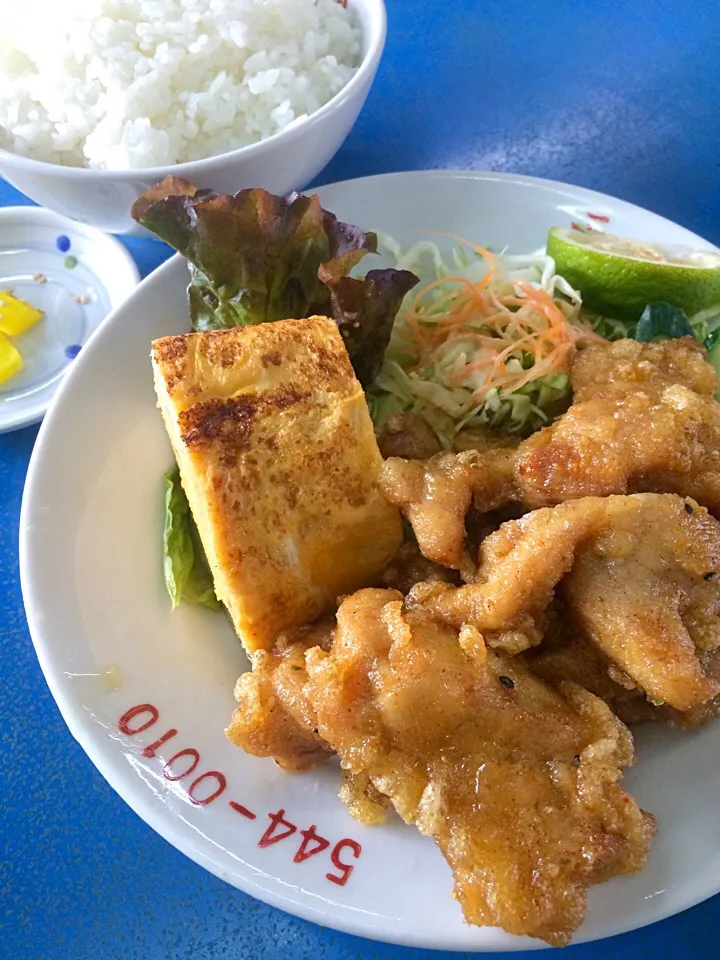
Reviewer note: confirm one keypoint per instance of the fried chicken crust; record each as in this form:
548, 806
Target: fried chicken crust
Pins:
516, 781
435, 495
621, 367
409, 567
644, 419
273, 717
640, 577
579, 660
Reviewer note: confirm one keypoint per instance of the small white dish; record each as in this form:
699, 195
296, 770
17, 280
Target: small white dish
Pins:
148, 693
76, 275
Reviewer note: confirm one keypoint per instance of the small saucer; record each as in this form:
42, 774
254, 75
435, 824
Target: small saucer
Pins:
76, 275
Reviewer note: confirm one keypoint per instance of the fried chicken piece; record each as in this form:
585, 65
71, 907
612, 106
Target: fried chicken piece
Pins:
273, 717
646, 594
624, 366
520, 566
516, 782
479, 526
644, 419
409, 567
436, 494
409, 436
698, 716
640, 578
577, 659
363, 799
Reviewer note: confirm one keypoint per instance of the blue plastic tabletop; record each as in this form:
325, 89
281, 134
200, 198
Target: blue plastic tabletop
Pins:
619, 97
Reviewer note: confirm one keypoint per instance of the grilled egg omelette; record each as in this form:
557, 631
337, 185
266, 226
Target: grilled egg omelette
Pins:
279, 462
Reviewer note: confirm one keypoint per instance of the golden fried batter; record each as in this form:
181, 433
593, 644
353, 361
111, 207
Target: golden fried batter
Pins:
646, 594
574, 657
579, 660
273, 717
436, 494
604, 369
363, 799
520, 566
409, 567
644, 419
517, 782
640, 578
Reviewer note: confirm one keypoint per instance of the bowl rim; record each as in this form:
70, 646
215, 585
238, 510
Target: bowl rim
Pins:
373, 38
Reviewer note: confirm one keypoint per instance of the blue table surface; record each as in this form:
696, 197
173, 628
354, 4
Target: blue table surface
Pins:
619, 97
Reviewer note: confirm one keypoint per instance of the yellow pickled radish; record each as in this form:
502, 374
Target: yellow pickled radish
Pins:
16, 316
10, 360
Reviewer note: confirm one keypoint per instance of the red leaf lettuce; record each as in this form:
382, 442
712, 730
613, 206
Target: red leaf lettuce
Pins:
256, 257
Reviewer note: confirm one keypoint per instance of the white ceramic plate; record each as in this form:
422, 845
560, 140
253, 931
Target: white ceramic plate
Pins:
148, 693
76, 275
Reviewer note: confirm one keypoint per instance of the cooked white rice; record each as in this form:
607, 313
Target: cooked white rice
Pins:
124, 84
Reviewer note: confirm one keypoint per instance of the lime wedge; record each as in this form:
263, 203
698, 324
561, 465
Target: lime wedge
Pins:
618, 277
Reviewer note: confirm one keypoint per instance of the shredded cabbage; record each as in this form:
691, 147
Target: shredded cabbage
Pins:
432, 390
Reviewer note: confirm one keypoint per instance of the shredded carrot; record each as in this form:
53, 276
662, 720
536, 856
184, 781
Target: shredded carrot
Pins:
526, 325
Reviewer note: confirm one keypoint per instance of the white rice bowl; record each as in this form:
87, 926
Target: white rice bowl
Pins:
128, 84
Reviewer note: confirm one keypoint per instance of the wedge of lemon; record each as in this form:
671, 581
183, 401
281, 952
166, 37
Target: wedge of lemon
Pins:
618, 277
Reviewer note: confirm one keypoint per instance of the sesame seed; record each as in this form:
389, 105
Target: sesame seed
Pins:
688, 508
507, 682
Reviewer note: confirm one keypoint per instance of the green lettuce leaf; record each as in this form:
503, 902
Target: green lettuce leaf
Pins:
256, 257
712, 345
662, 321
187, 574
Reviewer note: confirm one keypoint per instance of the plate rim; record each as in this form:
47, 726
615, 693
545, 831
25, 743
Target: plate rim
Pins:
42, 216
84, 733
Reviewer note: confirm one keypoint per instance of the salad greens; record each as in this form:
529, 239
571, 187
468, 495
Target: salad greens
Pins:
661, 321
449, 385
446, 409
656, 323
712, 344
255, 257
187, 574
